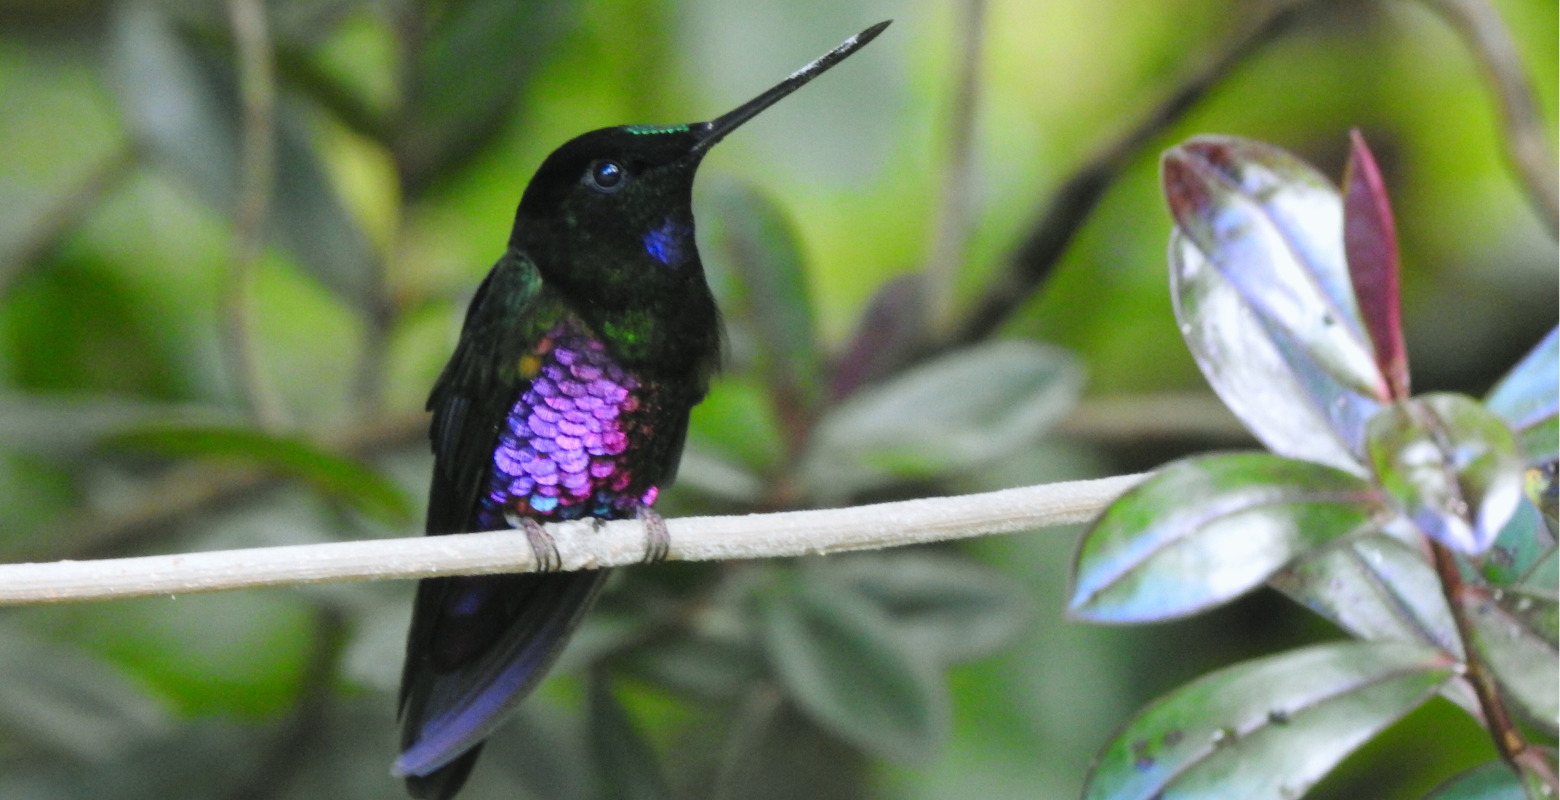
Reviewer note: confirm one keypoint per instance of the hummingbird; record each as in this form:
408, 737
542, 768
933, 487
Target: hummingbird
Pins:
567, 397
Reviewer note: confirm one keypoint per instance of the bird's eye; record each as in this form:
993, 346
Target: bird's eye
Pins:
605, 176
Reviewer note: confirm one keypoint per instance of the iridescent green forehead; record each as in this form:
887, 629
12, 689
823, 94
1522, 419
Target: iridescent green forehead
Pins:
638, 130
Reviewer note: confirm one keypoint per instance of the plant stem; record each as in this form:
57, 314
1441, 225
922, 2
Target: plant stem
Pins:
1526, 140
1071, 204
1508, 739
257, 172
68, 212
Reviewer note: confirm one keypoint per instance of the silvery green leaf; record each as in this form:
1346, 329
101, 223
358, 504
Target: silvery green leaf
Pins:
1206, 529
1273, 226
1264, 298
1376, 588
1267, 729
1452, 465
1528, 399
1279, 394
959, 411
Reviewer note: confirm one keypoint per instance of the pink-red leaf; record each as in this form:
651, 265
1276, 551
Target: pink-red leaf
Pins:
1370, 242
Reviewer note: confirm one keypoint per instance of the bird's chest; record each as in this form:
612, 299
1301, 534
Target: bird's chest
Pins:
585, 438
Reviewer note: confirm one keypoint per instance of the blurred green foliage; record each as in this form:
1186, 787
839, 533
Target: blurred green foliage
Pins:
406, 132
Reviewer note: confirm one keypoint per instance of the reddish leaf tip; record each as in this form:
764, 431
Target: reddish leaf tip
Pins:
1370, 241
1183, 173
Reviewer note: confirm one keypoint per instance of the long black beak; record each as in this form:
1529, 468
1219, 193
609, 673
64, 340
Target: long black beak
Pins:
716, 129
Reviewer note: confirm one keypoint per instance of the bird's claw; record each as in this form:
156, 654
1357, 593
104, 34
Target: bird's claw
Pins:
542, 546
658, 542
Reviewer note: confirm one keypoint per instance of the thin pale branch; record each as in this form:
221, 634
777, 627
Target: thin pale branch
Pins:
257, 173
951, 228
202, 487
580, 545
1526, 141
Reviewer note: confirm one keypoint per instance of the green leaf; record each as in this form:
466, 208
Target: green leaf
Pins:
345, 479
625, 764
1520, 549
1376, 588
968, 408
58, 426
1516, 633
737, 424
709, 667
1542, 487
62, 698
759, 243
472, 64
776, 752
181, 104
1268, 728
232, 653
1492, 780
1451, 464
1528, 398
843, 663
79, 328
1205, 530
949, 608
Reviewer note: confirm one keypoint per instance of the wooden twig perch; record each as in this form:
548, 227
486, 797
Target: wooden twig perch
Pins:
581, 545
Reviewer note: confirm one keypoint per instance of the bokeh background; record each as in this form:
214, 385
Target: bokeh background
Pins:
182, 367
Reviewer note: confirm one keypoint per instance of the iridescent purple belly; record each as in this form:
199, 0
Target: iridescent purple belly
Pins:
563, 451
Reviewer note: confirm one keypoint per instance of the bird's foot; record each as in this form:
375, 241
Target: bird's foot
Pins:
658, 542
542, 546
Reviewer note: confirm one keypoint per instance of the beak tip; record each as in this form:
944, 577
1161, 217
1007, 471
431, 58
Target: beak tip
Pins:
716, 129
871, 33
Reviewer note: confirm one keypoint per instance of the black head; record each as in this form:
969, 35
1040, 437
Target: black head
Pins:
608, 217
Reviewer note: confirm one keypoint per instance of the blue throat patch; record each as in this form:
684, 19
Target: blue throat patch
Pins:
665, 244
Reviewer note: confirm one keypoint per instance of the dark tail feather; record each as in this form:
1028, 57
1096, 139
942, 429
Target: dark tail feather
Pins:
444, 782
478, 646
